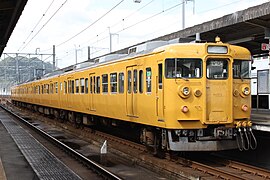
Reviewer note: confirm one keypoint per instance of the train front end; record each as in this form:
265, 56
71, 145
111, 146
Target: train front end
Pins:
212, 99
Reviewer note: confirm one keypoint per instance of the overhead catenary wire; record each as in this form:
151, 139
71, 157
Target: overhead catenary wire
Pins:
168, 9
45, 24
43, 15
90, 24
122, 19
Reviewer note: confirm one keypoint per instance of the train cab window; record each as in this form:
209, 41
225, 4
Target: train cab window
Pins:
77, 85
98, 84
82, 85
129, 82
241, 69
183, 68
86, 85
105, 83
121, 81
141, 81
135, 81
113, 82
217, 68
148, 80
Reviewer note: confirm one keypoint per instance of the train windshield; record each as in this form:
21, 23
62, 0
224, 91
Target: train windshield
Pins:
183, 68
241, 69
217, 68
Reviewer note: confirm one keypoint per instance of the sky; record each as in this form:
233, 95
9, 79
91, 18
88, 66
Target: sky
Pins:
73, 25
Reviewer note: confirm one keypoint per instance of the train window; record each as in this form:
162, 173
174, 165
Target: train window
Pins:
91, 85
38, 89
72, 86
51, 89
241, 69
141, 81
217, 68
86, 85
42, 89
148, 80
113, 82
105, 83
135, 81
121, 81
77, 85
47, 88
129, 82
94, 85
98, 84
61, 86
160, 76
65, 87
82, 85
56, 87
183, 68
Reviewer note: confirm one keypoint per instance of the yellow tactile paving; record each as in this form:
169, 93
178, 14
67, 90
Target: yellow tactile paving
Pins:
2, 171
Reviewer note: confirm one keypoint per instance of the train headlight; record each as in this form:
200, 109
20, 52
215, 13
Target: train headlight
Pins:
186, 91
246, 90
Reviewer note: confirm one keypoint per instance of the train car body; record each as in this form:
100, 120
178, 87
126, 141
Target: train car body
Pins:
182, 97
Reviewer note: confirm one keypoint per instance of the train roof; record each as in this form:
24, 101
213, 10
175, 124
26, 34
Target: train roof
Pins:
135, 51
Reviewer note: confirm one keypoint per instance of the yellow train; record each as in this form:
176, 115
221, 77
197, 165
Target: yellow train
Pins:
180, 97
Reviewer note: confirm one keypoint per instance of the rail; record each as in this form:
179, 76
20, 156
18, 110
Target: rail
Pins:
84, 160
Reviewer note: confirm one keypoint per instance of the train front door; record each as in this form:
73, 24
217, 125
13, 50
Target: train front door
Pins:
218, 91
92, 78
132, 90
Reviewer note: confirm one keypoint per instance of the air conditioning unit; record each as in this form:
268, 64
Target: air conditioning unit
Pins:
137, 1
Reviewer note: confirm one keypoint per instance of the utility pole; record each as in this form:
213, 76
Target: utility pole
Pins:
110, 35
54, 58
89, 53
183, 11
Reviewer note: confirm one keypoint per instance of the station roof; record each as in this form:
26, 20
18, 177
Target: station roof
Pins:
246, 28
10, 11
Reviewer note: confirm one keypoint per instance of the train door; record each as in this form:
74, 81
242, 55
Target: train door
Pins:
92, 78
218, 91
132, 90
70, 92
159, 93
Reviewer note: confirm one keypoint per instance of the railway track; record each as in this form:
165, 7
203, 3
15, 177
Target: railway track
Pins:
181, 167
227, 169
84, 160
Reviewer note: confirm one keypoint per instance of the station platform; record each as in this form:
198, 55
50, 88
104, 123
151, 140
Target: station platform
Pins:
260, 119
23, 157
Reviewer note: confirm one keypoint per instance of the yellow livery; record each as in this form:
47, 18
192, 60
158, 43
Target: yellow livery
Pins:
180, 97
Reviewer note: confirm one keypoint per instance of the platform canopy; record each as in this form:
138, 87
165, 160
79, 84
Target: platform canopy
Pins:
10, 11
248, 28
